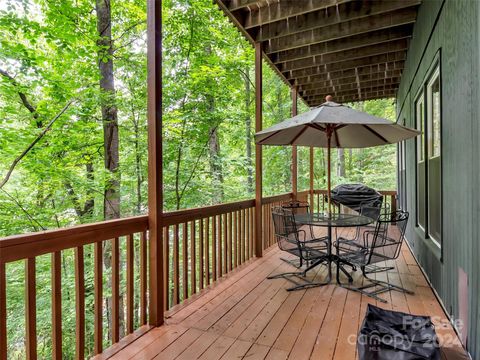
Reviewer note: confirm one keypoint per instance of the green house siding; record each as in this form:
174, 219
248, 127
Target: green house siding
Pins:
448, 30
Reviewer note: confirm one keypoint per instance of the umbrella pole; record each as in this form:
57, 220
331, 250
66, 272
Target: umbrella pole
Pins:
328, 172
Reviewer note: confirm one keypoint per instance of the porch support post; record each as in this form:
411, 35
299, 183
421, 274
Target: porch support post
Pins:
294, 147
258, 152
155, 178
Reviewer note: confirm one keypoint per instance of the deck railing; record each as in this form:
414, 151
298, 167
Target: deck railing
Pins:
201, 245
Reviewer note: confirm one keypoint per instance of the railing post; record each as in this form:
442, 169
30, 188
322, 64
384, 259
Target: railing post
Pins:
258, 151
155, 180
294, 147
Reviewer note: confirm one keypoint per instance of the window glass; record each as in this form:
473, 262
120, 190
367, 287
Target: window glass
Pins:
419, 106
434, 114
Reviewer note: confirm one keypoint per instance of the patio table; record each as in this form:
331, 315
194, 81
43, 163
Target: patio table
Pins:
333, 220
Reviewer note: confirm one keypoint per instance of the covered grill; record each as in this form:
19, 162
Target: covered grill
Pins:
353, 195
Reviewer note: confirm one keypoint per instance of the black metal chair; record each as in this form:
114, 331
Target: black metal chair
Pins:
303, 208
384, 243
298, 243
373, 211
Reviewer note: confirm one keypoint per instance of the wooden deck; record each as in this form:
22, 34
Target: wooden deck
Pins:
245, 315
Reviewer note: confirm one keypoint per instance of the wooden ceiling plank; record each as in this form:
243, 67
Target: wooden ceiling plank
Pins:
338, 76
351, 86
345, 65
349, 89
353, 98
281, 10
344, 44
338, 31
380, 49
234, 5
326, 17
377, 77
352, 94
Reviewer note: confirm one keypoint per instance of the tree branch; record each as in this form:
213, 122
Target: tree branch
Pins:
30, 107
34, 142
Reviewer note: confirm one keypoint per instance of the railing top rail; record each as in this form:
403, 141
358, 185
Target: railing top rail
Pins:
19, 247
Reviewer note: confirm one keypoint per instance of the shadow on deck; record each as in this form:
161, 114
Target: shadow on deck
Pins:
245, 315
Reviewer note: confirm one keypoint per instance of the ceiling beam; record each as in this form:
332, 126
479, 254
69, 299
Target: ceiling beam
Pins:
351, 86
345, 65
354, 97
380, 76
344, 44
361, 70
281, 10
338, 31
326, 17
317, 60
351, 92
234, 5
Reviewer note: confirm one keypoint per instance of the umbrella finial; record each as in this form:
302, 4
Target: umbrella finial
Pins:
329, 98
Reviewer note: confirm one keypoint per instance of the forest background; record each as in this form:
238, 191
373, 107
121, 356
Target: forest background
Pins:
73, 129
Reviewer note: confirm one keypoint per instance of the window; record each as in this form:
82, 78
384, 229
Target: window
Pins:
421, 165
433, 91
420, 117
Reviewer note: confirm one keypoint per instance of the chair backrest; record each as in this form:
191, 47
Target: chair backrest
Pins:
286, 233
388, 236
297, 207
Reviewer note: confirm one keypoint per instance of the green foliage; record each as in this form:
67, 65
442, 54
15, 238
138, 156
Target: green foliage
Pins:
49, 49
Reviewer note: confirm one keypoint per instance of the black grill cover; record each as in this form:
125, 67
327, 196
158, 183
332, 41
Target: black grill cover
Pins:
352, 195
393, 335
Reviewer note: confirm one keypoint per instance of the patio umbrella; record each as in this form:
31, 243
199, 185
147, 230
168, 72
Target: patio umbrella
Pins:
334, 125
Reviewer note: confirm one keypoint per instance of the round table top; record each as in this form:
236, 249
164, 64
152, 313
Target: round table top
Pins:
333, 220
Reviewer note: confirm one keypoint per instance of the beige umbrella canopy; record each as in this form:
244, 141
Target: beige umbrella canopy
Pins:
334, 125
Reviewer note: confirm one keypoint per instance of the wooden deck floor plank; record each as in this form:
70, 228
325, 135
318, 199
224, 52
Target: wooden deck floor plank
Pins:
179, 345
157, 346
238, 350
230, 310
347, 335
257, 352
291, 330
239, 290
195, 350
303, 347
282, 304
247, 317
183, 311
325, 344
281, 331
217, 348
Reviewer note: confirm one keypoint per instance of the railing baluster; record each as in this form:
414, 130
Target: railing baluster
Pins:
193, 257
225, 243
166, 267
130, 286
219, 245
214, 248
235, 239
3, 312
31, 313
207, 251
143, 278
201, 275
57, 305
247, 234
176, 267
229, 242
185, 260
80, 303
115, 290
242, 236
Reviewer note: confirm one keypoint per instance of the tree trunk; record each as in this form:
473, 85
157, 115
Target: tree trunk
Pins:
341, 163
248, 131
215, 161
111, 207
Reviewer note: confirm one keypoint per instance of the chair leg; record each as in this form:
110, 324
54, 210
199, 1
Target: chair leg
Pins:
378, 286
372, 269
295, 263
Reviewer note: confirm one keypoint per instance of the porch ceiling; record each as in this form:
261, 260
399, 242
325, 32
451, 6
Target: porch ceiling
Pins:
351, 49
